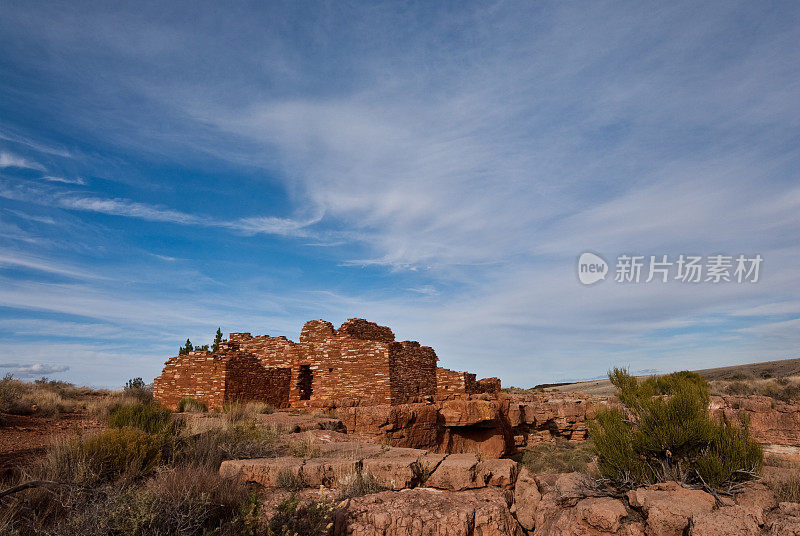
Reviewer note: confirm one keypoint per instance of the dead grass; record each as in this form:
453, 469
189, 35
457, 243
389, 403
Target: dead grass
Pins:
47, 398
783, 477
306, 447
559, 456
357, 484
786, 389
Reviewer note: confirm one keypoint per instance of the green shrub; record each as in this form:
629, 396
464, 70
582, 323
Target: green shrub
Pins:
664, 432
313, 519
136, 388
122, 451
560, 456
150, 418
190, 405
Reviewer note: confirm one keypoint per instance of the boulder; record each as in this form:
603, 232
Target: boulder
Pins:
327, 472
602, 513
526, 499
455, 473
500, 473
403, 425
487, 442
461, 412
394, 472
756, 499
668, 507
427, 512
263, 471
725, 521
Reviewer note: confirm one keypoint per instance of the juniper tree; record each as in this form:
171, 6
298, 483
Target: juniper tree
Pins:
217, 340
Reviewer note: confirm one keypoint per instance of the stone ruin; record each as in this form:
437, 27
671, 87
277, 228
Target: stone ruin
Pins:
358, 364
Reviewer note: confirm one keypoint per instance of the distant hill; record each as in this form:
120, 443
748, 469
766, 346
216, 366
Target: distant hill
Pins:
768, 369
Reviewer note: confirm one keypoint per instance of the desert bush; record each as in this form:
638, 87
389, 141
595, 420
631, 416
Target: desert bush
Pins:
43, 397
229, 442
136, 388
184, 501
150, 418
190, 405
236, 412
560, 456
11, 393
129, 452
261, 408
314, 519
357, 484
739, 388
102, 407
664, 432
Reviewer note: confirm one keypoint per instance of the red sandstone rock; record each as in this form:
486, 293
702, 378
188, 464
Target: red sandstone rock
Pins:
602, 513
564, 509
395, 471
500, 473
263, 471
426, 512
469, 412
487, 442
785, 520
668, 507
526, 499
725, 521
756, 500
771, 421
457, 472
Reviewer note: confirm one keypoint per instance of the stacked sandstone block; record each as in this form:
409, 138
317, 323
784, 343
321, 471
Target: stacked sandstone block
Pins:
360, 363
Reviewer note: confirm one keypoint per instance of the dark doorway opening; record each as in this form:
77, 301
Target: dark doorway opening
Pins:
304, 381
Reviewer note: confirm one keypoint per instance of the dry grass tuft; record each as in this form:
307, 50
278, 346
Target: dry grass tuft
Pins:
559, 456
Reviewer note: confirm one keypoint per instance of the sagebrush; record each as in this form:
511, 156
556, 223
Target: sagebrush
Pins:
663, 431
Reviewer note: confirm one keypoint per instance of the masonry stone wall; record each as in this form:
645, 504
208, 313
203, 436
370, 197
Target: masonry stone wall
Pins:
230, 375
247, 380
360, 362
452, 384
412, 370
198, 375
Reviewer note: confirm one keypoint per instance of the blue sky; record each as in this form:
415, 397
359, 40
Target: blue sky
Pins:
169, 168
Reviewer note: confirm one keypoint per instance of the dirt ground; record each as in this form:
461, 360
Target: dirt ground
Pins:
25, 437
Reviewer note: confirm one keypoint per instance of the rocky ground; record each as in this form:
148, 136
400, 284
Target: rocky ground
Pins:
452, 468
454, 494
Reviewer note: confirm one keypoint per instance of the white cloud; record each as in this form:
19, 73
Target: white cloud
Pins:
11, 160
34, 370
76, 180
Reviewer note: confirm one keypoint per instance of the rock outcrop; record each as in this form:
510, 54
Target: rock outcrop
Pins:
487, 425
771, 421
425, 511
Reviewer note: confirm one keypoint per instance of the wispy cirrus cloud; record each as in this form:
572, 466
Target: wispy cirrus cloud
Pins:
76, 180
11, 160
127, 208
